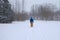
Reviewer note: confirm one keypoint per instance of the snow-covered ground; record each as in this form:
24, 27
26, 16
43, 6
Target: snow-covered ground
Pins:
42, 30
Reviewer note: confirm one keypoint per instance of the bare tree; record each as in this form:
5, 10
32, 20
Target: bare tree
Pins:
43, 12
34, 11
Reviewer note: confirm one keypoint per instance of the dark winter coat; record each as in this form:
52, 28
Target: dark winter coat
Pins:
31, 20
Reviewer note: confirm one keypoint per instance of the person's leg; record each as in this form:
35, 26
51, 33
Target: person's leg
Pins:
31, 24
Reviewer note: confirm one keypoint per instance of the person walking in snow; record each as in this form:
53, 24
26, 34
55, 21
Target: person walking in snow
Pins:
31, 22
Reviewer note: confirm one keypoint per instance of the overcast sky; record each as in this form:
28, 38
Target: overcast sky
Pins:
29, 3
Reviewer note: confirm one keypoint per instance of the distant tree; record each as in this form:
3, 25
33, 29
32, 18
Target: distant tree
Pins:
34, 11
6, 10
6, 1
57, 15
43, 12
46, 12
23, 16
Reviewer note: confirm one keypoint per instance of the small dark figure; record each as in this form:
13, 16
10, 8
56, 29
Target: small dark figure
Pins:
31, 22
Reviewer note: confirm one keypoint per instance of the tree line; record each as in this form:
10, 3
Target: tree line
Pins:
38, 12
45, 12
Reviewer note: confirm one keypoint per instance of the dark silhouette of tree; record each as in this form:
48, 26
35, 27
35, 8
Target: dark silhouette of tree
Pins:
6, 1
6, 11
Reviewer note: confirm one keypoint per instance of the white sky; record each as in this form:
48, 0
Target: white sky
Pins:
29, 3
